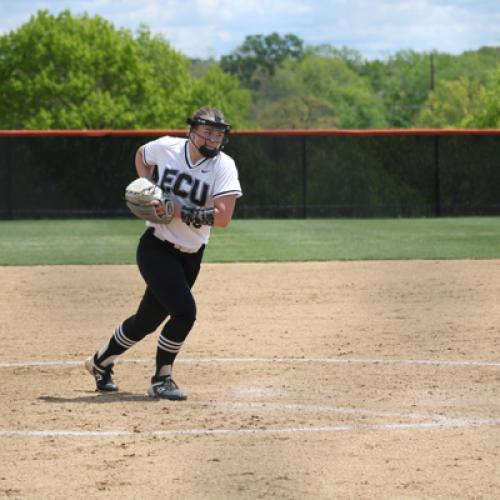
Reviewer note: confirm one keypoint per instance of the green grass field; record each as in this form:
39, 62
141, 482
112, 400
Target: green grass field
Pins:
47, 242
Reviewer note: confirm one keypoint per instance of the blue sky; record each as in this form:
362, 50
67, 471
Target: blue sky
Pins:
211, 28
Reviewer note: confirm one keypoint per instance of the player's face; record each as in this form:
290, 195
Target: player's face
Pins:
213, 136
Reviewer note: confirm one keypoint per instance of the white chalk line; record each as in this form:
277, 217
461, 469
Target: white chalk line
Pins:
448, 424
249, 405
358, 412
436, 422
380, 361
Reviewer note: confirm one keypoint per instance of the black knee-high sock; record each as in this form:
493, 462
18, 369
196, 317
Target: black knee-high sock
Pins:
116, 345
165, 355
170, 341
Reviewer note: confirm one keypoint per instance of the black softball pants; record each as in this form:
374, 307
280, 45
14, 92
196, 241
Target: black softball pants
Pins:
169, 275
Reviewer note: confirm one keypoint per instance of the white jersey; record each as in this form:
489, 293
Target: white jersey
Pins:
195, 185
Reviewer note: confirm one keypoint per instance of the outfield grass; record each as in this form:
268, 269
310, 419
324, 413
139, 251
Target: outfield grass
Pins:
46, 242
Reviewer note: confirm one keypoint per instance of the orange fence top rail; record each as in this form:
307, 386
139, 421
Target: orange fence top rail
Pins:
290, 132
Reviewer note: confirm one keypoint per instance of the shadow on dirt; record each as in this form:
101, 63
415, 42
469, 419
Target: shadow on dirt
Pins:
100, 398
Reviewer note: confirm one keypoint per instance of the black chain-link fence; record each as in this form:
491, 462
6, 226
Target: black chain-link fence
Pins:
297, 174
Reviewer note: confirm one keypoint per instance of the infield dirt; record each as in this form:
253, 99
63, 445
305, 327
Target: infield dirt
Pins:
305, 381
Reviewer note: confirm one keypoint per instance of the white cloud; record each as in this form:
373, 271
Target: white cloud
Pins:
200, 28
374, 28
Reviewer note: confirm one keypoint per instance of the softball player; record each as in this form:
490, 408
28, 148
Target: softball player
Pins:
203, 182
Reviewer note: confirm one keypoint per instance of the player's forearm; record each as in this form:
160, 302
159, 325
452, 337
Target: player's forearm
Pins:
221, 218
224, 209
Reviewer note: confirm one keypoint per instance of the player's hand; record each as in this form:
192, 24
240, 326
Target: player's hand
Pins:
159, 207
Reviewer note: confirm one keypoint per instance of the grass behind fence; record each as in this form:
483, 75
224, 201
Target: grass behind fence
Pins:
48, 242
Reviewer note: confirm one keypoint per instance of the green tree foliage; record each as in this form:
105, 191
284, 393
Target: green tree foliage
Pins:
65, 71
327, 79
487, 112
352, 57
477, 65
405, 81
222, 91
80, 72
470, 100
402, 82
450, 104
298, 112
166, 98
259, 56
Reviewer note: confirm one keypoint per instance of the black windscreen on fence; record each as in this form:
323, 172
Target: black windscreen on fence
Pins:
470, 174
299, 175
63, 176
372, 176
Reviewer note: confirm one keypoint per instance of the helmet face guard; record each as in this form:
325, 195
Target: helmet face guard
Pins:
211, 118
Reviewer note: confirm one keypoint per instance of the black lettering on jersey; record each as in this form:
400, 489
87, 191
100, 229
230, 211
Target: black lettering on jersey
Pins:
185, 186
177, 186
167, 179
199, 197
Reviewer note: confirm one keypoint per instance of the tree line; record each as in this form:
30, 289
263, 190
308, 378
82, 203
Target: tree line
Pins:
80, 72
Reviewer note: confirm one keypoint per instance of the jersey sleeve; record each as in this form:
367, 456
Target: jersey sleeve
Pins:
152, 151
226, 180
